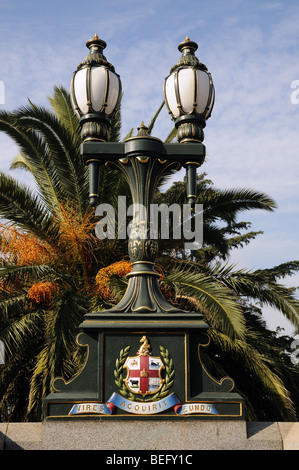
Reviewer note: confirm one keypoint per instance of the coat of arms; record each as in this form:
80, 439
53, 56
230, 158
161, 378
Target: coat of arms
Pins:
144, 372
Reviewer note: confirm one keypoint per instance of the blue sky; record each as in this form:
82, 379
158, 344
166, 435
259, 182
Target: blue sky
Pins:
251, 49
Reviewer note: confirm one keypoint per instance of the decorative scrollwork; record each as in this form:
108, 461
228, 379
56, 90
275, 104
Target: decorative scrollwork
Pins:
151, 248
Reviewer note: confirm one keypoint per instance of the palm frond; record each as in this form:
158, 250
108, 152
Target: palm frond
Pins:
37, 152
257, 285
21, 162
11, 302
16, 333
28, 273
171, 135
115, 128
240, 352
20, 207
216, 298
282, 270
56, 358
62, 163
154, 119
62, 107
226, 204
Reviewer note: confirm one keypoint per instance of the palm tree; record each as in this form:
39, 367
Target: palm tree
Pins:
48, 250
242, 347
221, 230
53, 269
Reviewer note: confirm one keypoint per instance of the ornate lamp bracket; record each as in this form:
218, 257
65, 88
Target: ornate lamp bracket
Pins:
142, 160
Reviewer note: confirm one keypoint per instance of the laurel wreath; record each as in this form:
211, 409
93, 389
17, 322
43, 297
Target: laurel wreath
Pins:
119, 381
119, 364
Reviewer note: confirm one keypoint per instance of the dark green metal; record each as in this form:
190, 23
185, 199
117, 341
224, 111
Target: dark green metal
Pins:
143, 334
143, 162
190, 126
143, 312
95, 124
188, 57
95, 384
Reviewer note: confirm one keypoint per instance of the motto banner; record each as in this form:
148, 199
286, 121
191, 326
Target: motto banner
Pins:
143, 408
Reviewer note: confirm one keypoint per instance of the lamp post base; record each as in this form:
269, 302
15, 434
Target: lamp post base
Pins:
143, 367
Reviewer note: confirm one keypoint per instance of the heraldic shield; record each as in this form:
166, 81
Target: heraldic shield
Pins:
144, 371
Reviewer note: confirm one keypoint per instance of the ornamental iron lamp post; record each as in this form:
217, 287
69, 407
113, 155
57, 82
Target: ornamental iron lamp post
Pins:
189, 96
154, 386
95, 96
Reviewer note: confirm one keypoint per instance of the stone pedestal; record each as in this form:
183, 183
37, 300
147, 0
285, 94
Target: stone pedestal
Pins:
135, 437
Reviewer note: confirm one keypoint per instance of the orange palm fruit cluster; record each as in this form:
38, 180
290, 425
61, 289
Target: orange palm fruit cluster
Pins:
42, 292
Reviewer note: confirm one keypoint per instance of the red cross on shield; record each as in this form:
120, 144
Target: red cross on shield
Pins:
144, 374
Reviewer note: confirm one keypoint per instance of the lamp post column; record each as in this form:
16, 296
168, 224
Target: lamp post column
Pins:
142, 170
